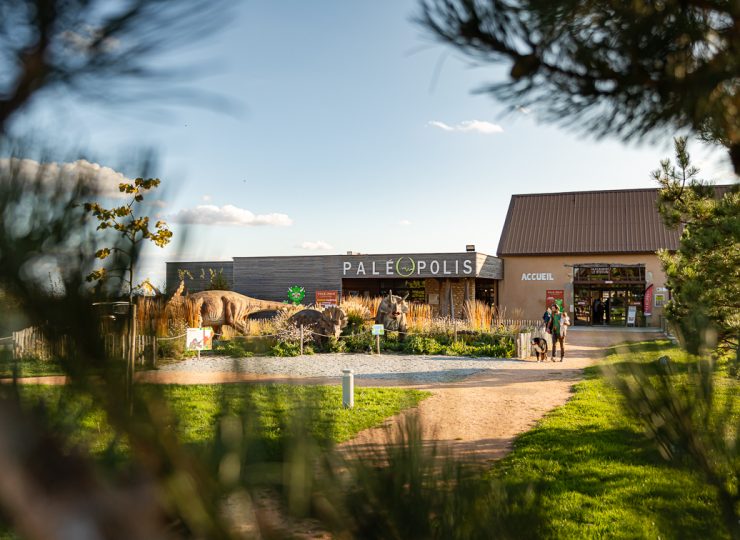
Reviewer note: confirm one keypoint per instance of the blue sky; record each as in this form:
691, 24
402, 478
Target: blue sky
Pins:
334, 132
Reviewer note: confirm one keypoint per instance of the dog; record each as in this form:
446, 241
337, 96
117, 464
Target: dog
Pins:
539, 346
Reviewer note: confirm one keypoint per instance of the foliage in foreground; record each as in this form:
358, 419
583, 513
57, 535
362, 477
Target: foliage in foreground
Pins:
704, 273
599, 476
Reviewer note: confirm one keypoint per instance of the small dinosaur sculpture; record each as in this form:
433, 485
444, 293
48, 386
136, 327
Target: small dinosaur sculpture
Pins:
323, 323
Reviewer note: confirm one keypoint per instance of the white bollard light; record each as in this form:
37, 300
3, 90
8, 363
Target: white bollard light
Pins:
348, 389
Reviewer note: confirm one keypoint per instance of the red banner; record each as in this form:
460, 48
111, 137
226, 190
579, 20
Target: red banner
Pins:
647, 301
555, 296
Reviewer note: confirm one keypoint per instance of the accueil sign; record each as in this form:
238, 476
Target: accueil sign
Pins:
535, 276
406, 267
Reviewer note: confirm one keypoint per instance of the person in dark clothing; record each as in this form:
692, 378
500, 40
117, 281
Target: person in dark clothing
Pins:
598, 312
556, 330
608, 310
546, 317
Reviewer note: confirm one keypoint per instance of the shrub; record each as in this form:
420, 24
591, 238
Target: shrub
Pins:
457, 348
355, 323
234, 348
362, 342
335, 345
173, 348
422, 345
505, 349
287, 348
392, 342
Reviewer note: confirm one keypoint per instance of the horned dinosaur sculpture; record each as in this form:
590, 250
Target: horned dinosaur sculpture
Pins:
392, 312
217, 308
323, 323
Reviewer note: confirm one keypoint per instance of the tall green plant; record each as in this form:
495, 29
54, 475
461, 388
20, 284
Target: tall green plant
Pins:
132, 229
704, 272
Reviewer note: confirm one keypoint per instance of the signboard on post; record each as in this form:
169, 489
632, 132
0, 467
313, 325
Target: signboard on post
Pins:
378, 330
555, 296
631, 315
199, 339
327, 298
647, 304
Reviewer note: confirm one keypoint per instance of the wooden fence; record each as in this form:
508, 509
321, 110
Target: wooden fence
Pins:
518, 323
31, 343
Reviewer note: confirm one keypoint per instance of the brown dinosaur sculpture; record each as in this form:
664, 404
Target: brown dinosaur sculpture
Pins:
217, 308
392, 313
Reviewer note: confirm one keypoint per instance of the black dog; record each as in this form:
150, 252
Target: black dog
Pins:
539, 346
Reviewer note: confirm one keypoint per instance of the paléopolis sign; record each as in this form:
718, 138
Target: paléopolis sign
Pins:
406, 266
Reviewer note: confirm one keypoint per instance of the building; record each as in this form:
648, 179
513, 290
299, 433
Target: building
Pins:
594, 251
443, 280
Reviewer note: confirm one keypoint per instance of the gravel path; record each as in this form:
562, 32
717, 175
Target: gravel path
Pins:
402, 368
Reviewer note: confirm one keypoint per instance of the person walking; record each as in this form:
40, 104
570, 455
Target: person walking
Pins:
556, 330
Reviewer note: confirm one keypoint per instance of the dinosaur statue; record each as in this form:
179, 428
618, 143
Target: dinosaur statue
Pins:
217, 308
324, 323
392, 313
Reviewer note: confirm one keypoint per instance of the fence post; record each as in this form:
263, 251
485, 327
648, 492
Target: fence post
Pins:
131, 356
301, 339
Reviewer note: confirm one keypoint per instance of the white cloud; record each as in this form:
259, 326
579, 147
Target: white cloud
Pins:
209, 214
206, 198
477, 126
103, 179
319, 245
156, 203
523, 110
404, 222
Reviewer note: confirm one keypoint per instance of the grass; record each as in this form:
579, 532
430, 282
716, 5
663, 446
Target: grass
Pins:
197, 408
34, 367
31, 367
598, 476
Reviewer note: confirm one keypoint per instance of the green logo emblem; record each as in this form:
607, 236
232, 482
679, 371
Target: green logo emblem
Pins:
296, 294
405, 266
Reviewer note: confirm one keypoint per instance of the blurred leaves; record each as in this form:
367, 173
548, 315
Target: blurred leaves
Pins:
98, 49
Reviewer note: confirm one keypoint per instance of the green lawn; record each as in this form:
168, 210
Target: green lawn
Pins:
197, 408
597, 474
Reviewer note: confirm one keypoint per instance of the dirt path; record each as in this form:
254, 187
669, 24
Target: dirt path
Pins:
478, 418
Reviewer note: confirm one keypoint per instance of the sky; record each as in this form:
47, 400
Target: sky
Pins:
352, 130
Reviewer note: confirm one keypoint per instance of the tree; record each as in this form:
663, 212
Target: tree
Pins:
608, 67
704, 273
132, 229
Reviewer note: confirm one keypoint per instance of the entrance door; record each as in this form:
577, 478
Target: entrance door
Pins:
603, 293
582, 312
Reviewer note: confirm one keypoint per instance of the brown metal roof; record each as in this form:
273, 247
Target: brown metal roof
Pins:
623, 221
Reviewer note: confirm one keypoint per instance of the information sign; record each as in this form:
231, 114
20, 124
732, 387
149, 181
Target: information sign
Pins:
199, 339
327, 298
631, 315
378, 330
